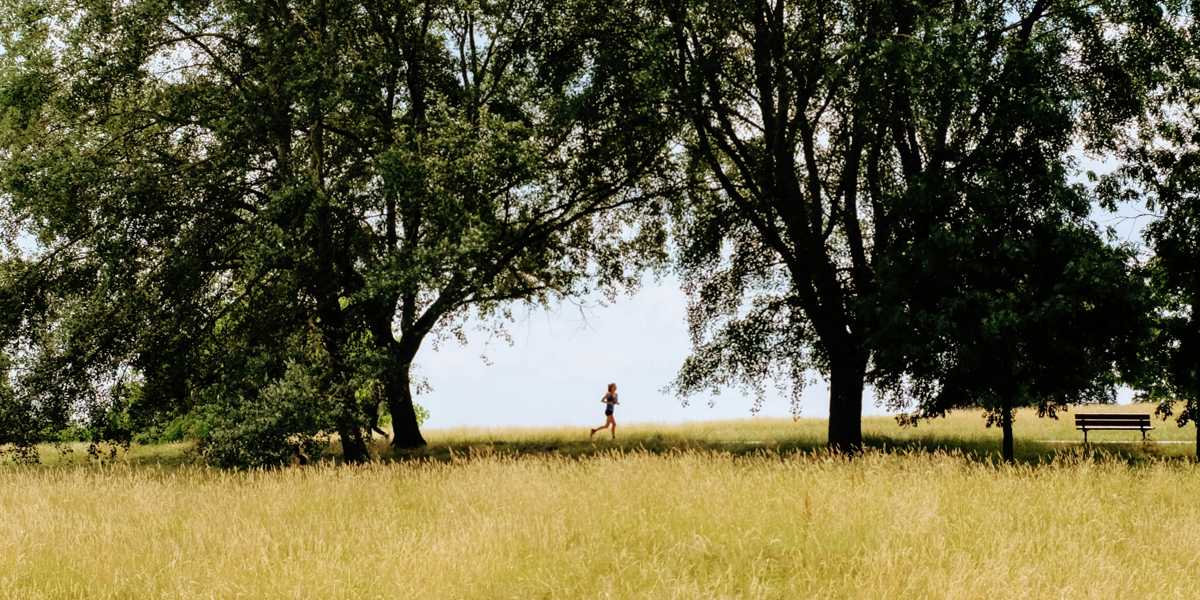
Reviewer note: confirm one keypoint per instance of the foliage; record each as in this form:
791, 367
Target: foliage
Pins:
1004, 294
208, 180
246, 219
1046, 318
287, 421
1161, 169
835, 145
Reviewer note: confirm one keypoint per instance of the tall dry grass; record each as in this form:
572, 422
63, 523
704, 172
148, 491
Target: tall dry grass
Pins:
616, 524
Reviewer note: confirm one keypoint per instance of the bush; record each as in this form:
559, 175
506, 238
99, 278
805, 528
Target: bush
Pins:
288, 420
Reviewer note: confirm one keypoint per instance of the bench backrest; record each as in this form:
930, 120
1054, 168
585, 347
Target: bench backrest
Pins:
1109, 419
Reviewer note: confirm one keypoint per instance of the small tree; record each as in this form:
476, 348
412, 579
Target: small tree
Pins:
1046, 316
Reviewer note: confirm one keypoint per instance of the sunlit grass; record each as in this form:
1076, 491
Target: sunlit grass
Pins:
740, 509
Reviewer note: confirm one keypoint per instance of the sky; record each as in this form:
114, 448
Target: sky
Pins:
559, 361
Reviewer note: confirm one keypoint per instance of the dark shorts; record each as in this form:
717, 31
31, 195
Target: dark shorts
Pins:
608, 411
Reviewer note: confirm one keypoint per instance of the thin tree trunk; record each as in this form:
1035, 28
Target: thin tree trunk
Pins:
1197, 424
354, 445
846, 381
1006, 420
351, 417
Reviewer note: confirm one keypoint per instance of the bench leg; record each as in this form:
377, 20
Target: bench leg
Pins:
1085, 436
1143, 435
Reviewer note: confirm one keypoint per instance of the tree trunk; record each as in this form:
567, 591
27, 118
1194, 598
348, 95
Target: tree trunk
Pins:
1006, 419
406, 432
1197, 424
354, 445
350, 418
846, 380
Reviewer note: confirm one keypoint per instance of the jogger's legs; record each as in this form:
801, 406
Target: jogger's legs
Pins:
608, 422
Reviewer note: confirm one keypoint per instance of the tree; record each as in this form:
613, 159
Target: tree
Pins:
1161, 169
211, 179
1041, 313
827, 136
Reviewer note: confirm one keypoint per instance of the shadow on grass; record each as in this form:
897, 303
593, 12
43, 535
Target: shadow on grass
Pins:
75, 454
973, 449
1029, 452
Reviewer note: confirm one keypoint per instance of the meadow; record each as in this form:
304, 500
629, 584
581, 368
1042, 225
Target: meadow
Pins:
738, 509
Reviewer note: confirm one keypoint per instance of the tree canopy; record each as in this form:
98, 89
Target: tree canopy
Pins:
228, 193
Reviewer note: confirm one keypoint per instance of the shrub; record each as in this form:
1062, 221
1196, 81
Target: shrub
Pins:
287, 420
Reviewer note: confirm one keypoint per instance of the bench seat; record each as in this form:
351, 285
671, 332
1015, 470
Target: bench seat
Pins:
1112, 421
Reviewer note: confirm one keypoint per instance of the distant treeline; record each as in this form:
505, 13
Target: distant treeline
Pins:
241, 221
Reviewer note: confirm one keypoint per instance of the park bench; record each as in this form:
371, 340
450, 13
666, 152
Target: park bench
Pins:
1125, 421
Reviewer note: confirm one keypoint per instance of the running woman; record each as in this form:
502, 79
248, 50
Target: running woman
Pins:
609, 400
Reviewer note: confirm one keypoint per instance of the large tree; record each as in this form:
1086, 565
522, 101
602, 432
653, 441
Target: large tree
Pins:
824, 135
208, 180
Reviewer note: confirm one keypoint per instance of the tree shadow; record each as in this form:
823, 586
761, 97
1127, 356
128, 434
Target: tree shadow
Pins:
974, 449
1030, 452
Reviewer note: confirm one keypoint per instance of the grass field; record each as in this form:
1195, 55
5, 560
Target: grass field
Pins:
745, 509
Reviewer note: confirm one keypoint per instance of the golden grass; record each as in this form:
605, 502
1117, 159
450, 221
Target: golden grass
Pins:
672, 516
